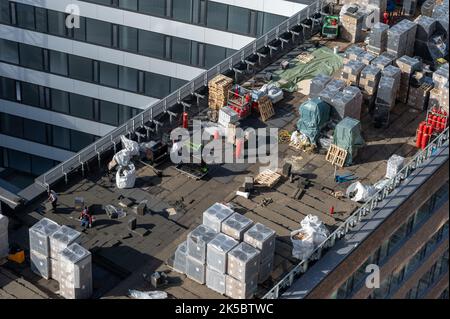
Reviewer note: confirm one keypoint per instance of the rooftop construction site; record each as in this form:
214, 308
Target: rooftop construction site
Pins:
357, 92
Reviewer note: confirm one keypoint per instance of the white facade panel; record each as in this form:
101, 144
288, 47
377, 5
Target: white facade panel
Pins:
279, 7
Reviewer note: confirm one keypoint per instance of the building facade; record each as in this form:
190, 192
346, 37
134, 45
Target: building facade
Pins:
72, 71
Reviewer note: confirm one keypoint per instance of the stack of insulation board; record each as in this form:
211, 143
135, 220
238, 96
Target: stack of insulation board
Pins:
386, 95
352, 53
331, 89
4, 243
382, 61
368, 83
401, 38
409, 7
366, 57
218, 91
427, 8
40, 251
351, 72
407, 66
348, 103
378, 38
419, 91
439, 94
352, 25
317, 84
440, 12
76, 272
228, 253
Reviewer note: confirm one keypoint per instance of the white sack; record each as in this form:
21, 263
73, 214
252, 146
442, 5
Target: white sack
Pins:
302, 248
126, 177
123, 157
130, 145
358, 192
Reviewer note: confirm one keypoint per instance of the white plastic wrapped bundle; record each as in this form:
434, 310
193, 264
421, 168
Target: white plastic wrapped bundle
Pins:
130, 145
302, 243
122, 158
318, 230
394, 165
126, 177
358, 192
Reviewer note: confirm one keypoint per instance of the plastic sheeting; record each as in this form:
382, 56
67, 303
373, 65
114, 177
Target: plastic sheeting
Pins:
302, 244
126, 177
318, 230
324, 62
314, 114
358, 192
130, 145
394, 165
136, 294
347, 135
123, 157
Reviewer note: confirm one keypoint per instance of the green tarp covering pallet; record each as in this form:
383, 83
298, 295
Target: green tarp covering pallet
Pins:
314, 114
324, 62
347, 135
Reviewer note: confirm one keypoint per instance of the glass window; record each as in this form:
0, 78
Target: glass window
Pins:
56, 23
128, 4
124, 113
80, 33
157, 85
11, 125
35, 131
5, 12
156, 7
80, 140
213, 55
58, 63
181, 49
41, 19
80, 68
271, 21
19, 161
109, 74
9, 51
81, 106
217, 15
128, 79
60, 101
40, 165
7, 89
181, 10
98, 32
30, 94
31, 57
25, 16
176, 84
128, 38
238, 20
109, 113
61, 137
151, 44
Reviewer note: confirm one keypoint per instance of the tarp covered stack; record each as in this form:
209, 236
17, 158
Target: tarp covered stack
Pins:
347, 135
314, 114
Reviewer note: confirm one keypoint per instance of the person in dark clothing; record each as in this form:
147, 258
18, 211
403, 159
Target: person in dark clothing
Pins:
53, 198
86, 218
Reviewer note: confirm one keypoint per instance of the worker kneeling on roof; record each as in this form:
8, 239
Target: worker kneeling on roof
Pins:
86, 218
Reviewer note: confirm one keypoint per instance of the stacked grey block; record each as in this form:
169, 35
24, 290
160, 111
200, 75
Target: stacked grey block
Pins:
378, 38
385, 101
215, 215
236, 225
439, 95
40, 248
352, 26
427, 8
351, 72
76, 273
318, 83
217, 261
366, 57
59, 241
4, 243
440, 12
352, 53
419, 91
243, 267
401, 38
347, 104
395, 73
382, 61
332, 88
262, 238
179, 262
407, 66
197, 242
409, 7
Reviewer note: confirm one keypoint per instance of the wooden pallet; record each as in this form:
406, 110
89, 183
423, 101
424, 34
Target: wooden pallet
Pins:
305, 57
336, 155
296, 145
267, 178
218, 89
265, 108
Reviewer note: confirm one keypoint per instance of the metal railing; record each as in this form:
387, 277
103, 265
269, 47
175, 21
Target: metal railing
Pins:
356, 217
113, 138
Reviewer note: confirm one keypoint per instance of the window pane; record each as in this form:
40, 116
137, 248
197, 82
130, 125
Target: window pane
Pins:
11, 125
128, 38
31, 57
40, 165
81, 106
61, 137
156, 7
181, 49
56, 23
109, 113
128, 79
271, 21
58, 63
9, 51
176, 84
128, 4
157, 85
80, 33
41, 19
213, 55
35, 131
98, 32
60, 101
80, 68
109, 74
19, 161
238, 20
217, 15
30, 94
80, 140
5, 12
7, 89
151, 44
25, 16
181, 10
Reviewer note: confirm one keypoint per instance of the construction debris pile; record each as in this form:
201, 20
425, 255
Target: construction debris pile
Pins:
55, 253
228, 252
4, 243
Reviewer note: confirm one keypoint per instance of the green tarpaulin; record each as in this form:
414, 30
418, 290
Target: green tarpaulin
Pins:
314, 114
347, 135
324, 62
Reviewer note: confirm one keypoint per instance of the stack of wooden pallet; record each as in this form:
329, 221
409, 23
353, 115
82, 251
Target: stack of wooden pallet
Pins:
218, 91
265, 108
